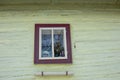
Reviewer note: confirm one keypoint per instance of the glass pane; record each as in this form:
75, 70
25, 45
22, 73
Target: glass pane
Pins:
46, 47
59, 43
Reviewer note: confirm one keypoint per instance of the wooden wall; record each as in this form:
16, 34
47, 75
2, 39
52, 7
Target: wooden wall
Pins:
94, 32
58, 1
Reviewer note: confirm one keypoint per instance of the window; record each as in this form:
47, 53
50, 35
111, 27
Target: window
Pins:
52, 43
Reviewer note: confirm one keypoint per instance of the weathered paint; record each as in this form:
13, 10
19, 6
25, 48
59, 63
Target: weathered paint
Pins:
94, 32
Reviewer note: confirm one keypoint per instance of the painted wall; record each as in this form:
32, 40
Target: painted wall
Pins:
94, 32
58, 1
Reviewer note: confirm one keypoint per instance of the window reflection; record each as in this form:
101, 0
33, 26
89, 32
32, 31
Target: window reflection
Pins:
46, 43
59, 43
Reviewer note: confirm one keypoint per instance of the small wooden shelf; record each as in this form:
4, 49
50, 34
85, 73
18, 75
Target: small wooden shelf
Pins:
64, 73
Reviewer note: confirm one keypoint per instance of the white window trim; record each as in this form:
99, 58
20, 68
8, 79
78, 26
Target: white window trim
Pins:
40, 42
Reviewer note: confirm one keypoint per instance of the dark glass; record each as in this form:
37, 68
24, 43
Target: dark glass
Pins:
59, 43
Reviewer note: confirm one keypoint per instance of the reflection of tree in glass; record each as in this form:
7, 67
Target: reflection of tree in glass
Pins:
58, 44
58, 49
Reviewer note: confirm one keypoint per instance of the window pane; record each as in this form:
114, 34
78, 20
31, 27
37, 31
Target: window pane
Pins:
59, 43
46, 47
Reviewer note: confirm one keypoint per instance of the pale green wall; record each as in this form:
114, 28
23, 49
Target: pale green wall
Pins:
95, 32
58, 1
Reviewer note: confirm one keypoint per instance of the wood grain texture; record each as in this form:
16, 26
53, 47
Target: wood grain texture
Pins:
94, 32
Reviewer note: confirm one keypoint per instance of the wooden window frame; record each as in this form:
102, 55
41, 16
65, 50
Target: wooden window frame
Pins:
37, 44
